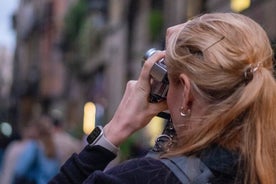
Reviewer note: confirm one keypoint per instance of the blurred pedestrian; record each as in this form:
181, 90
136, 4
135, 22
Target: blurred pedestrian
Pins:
65, 143
39, 161
13, 152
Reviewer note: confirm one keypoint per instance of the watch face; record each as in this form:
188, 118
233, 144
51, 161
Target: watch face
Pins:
94, 135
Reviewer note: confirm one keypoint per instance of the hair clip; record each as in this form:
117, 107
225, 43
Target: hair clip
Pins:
249, 72
214, 43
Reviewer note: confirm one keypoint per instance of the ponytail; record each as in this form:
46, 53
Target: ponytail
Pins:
259, 132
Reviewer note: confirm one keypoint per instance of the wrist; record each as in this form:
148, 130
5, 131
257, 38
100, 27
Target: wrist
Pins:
115, 134
97, 137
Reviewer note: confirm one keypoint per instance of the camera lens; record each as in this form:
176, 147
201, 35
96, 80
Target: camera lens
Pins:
149, 53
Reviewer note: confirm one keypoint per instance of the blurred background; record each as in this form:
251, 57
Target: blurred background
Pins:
71, 59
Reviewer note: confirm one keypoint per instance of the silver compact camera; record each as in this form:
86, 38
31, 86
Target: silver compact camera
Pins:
160, 82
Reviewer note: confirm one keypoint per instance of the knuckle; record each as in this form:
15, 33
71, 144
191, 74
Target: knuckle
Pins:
131, 83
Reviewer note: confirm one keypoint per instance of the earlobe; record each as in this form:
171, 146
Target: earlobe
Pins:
185, 112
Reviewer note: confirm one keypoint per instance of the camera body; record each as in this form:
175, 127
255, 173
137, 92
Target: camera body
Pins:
159, 75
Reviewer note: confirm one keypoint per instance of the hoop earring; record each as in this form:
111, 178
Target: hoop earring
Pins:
185, 113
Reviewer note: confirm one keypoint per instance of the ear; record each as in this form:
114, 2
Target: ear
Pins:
186, 84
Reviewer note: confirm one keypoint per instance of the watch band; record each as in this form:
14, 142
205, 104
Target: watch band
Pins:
97, 137
104, 142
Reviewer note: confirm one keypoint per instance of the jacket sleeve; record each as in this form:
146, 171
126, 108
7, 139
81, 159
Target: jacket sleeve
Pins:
88, 166
79, 166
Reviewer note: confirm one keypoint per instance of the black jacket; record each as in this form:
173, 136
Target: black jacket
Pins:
87, 167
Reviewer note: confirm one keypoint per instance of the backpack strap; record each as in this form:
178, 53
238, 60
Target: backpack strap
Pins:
189, 170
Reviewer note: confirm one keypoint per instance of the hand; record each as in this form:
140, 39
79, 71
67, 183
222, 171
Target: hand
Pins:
134, 111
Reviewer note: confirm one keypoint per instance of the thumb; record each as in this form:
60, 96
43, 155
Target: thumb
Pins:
158, 107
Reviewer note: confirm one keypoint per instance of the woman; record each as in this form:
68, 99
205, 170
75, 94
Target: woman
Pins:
221, 100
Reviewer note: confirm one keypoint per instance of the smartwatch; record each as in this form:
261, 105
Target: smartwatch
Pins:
96, 137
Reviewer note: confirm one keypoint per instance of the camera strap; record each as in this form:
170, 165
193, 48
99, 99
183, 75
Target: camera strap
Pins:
188, 169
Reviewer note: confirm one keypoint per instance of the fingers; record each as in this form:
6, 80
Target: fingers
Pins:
144, 77
134, 111
144, 84
158, 107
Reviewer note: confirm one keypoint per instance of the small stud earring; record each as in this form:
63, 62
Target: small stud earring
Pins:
185, 113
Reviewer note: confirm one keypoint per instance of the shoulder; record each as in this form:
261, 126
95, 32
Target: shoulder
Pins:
143, 170
144, 162
31, 144
223, 163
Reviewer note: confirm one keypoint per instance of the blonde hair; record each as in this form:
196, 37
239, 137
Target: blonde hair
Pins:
228, 59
